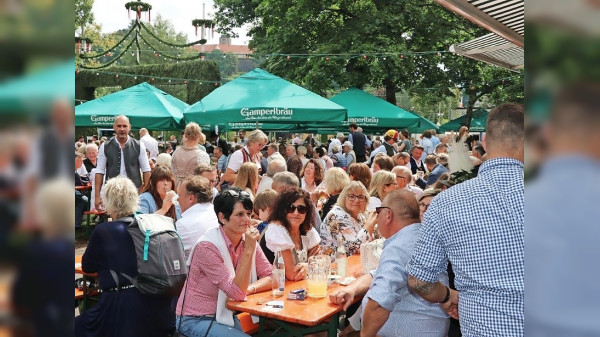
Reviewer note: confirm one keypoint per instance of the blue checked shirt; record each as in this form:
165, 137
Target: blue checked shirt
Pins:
410, 315
478, 226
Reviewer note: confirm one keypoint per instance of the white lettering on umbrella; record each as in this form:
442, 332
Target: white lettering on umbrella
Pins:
365, 120
272, 113
102, 119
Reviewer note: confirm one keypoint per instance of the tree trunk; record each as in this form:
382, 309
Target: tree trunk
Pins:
390, 91
469, 115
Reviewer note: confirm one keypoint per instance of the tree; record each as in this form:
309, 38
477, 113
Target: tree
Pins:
368, 37
83, 15
227, 62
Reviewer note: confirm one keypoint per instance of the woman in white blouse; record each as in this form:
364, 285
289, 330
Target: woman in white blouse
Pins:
290, 230
383, 182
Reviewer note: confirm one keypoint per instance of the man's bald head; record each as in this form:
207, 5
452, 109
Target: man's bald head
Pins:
402, 209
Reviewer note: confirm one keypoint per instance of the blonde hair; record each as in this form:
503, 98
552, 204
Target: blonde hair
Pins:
353, 185
193, 132
120, 197
55, 208
256, 136
335, 180
247, 177
380, 178
301, 150
164, 159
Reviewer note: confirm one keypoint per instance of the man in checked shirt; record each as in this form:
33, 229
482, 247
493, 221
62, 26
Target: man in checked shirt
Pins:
478, 226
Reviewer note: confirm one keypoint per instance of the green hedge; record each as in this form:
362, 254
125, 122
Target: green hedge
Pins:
86, 81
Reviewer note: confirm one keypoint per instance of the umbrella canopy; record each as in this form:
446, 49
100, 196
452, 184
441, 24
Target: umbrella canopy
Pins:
39, 89
259, 96
424, 124
478, 122
373, 113
145, 105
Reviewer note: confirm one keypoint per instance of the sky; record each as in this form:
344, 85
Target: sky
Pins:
112, 15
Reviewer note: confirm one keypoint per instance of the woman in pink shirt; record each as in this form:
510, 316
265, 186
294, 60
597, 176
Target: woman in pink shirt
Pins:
224, 263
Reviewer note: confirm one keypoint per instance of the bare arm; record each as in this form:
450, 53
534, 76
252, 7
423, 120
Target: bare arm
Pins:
345, 296
146, 182
242, 275
98, 180
431, 292
293, 272
229, 175
374, 318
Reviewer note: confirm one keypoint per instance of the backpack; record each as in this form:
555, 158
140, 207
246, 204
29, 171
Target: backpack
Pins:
160, 256
338, 160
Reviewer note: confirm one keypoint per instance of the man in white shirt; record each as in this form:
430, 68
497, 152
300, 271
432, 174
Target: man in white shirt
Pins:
404, 178
273, 153
150, 143
274, 167
197, 211
336, 141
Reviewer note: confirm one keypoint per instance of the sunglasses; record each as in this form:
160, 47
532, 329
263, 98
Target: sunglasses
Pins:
237, 194
301, 209
378, 209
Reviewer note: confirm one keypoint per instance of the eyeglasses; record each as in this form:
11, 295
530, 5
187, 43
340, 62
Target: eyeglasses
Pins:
353, 197
423, 205
237, 194
378, 209
301, 209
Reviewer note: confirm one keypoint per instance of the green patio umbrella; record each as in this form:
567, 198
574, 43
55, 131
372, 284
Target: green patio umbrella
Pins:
145, 105
478, 122
39, 89
372, 113
424, 124
261, 97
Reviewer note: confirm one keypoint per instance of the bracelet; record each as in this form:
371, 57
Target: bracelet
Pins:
253, 287
447, 296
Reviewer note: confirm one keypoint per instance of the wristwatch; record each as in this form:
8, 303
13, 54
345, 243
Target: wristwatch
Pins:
447, 296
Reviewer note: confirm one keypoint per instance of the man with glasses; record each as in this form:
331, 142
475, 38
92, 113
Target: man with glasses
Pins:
389, 308
209, 172
403, 179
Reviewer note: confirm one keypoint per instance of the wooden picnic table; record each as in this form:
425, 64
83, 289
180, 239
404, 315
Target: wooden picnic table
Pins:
313, 314
82, 295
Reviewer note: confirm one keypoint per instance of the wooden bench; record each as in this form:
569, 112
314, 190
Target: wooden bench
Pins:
248, 327
101, 214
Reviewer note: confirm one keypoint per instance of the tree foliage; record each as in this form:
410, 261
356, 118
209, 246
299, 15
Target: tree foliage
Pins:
369, 27
83, 15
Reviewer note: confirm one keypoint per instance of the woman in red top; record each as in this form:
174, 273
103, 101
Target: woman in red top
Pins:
224, 263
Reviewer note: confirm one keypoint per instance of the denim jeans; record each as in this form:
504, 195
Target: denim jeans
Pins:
196, 326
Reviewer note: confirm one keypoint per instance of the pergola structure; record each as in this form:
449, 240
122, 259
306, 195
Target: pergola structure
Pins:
504, 46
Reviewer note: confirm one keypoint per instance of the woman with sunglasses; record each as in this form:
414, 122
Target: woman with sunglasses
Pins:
290, 230
346, 220
224, 263
383, 182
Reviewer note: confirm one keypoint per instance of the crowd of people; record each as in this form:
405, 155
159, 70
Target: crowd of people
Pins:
449, 248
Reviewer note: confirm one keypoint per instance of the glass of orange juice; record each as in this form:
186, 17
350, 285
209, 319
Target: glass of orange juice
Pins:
318, 275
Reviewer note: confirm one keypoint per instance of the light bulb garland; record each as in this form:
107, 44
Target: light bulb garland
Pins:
153, 78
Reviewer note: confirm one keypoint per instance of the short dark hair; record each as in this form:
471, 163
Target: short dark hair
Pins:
283, 202
505, 125
320, 151
479, 149
353, 125
384, 162
225, 202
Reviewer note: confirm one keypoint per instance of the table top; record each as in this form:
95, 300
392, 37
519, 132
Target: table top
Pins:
78, 269
310, 312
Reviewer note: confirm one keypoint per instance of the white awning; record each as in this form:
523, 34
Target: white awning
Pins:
504, 19
492, 49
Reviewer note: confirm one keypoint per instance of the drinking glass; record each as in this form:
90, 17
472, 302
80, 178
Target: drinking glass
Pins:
318, 275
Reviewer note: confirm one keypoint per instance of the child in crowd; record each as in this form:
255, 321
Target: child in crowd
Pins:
263, 205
